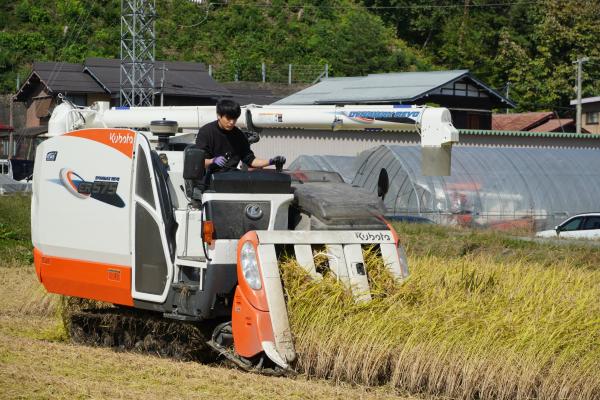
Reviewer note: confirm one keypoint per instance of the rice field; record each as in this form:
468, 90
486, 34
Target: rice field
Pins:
482, 316
468, 327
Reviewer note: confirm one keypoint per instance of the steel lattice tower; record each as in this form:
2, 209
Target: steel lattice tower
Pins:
138, 42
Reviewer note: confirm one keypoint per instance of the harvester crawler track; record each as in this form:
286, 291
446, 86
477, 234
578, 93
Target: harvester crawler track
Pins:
145, 332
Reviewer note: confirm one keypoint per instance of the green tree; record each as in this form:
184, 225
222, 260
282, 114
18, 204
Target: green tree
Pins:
542, 70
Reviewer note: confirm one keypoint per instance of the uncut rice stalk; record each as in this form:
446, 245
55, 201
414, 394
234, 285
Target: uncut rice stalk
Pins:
469, 328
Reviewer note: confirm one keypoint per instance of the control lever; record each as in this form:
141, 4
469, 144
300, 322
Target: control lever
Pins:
279, 166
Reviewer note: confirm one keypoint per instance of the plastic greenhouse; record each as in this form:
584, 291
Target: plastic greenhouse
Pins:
534, 188
344, 165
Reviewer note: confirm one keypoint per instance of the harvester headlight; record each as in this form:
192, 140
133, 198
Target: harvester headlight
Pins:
250, 266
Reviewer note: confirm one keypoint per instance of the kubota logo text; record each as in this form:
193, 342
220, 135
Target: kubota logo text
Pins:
120, 138
373, 237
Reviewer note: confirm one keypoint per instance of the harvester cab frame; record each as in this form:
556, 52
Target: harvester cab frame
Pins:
121, 218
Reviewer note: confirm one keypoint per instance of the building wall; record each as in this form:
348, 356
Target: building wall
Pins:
295, 142
469, 119
94, 97
37, 107
590, 108
467, 112
18, 112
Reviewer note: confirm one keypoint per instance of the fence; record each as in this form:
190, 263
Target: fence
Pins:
288, 73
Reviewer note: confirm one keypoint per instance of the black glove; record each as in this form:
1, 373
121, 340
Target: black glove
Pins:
277, 160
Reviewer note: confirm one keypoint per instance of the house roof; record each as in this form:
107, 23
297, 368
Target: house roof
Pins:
586, 100
58, 77
555, 125
260, 92
519, 121
101, 75
391, 87
181, 78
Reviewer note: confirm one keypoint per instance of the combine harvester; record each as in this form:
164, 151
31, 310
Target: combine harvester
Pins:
118, 216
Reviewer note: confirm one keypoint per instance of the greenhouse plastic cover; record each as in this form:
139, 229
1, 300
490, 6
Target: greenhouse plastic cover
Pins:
344, 165
8, 185
533, 188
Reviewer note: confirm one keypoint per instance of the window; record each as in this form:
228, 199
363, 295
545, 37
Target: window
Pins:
77, 99
591, 223
143, 185
572, 225
591, 118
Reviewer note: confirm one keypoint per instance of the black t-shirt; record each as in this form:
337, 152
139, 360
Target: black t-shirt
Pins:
219, 142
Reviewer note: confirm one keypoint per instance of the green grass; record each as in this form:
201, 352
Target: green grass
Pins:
15, 230
422, 240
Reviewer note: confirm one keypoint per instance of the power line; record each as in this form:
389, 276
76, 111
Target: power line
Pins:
78, 28
412, 6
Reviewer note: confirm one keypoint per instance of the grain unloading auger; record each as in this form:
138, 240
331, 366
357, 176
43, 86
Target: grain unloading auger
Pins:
117, 221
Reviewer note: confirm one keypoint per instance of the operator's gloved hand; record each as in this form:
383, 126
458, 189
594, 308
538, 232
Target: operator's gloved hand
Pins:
220, 161
280, 160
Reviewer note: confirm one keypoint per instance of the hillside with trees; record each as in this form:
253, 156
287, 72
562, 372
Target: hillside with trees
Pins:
529, 45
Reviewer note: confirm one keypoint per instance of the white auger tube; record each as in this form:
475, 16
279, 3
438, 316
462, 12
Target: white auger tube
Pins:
434, 124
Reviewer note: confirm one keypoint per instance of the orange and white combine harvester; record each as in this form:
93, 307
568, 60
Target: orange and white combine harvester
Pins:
119, 215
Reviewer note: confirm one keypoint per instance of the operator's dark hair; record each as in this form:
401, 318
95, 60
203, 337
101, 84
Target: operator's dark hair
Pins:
228, 108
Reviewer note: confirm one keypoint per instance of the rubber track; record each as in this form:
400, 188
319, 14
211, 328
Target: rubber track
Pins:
143, 332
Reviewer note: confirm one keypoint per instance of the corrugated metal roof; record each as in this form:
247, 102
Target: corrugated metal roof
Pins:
529, 134
373, 87
586, 100
485, 132
390, 87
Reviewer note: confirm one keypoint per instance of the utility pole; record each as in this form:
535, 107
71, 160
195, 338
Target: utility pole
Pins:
579, 63
11, 110
10, 124
162, 85
507, 92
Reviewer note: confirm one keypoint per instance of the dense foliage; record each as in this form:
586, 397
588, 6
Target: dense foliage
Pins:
530, 44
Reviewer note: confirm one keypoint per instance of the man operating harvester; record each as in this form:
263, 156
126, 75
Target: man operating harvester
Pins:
225, 145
